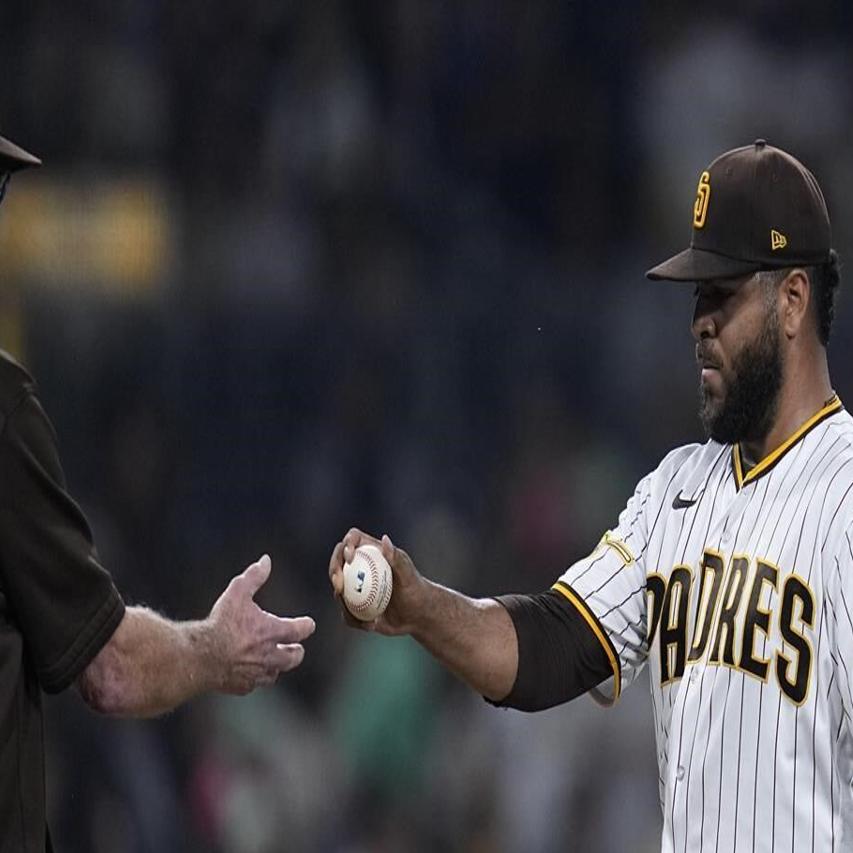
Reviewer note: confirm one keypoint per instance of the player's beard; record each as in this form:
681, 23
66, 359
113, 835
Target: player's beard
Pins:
751, 391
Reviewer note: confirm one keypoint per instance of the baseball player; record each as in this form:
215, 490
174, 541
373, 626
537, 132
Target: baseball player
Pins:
730, 570
63, 622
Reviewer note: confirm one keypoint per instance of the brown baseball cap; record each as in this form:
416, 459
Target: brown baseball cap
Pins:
13, 157
757, 208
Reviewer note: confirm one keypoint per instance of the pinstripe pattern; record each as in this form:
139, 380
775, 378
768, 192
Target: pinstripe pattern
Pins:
755, 751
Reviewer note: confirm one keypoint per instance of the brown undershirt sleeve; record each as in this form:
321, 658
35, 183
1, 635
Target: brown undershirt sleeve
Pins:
559, 656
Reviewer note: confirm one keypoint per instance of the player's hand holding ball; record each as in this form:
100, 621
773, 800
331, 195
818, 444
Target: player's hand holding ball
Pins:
377, 583
368, 583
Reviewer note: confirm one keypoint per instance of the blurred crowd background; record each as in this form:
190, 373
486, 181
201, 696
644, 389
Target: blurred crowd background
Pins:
291, 267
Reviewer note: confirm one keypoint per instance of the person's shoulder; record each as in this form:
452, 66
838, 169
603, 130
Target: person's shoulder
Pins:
15, 383
841, 424
837, 440
689, 459
684, 469
680, 455
828, 472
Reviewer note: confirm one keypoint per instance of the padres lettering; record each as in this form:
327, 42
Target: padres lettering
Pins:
737, 602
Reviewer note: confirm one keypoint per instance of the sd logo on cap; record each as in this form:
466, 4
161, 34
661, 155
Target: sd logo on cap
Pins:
768, 212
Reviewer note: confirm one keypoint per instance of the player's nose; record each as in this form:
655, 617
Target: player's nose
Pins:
702, 323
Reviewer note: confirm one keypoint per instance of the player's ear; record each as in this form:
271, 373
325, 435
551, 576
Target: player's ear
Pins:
795, 297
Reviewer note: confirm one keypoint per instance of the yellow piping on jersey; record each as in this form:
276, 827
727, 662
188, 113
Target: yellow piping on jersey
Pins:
617, 545
737, 466
830, 407
593, 623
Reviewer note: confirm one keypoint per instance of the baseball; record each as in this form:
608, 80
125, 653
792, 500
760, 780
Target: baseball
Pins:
367, 583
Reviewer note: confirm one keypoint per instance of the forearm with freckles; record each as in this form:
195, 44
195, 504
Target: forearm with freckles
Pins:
150, 666
474, 638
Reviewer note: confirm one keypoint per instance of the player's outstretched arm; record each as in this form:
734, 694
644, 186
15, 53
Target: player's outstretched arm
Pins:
151, 665
473, 638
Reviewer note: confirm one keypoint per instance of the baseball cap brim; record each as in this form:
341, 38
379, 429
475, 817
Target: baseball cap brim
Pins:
13, 157
700, 265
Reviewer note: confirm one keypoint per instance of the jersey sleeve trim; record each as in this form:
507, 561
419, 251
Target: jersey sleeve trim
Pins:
601, 635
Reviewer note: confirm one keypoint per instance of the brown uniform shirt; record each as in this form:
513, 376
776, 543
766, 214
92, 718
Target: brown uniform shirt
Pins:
58, 606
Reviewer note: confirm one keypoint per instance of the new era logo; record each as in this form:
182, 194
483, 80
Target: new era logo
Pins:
777, 240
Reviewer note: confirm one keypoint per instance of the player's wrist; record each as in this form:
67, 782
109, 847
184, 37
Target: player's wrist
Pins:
205, 651
426, 609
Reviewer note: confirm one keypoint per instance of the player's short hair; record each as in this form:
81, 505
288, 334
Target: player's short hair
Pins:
825, 280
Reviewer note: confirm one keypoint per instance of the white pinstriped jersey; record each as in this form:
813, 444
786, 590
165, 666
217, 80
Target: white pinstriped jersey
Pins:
738, 592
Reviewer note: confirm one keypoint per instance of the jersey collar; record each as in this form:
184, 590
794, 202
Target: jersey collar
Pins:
832, 405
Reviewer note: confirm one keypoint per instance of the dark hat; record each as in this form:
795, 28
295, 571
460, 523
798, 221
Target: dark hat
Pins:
757, 208
13, 158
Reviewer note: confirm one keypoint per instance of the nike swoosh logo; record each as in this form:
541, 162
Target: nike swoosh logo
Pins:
682, 503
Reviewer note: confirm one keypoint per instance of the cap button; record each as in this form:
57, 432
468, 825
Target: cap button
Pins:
760, 143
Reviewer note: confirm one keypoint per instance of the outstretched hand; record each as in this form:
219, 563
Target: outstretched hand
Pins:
253, 647
409, 587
